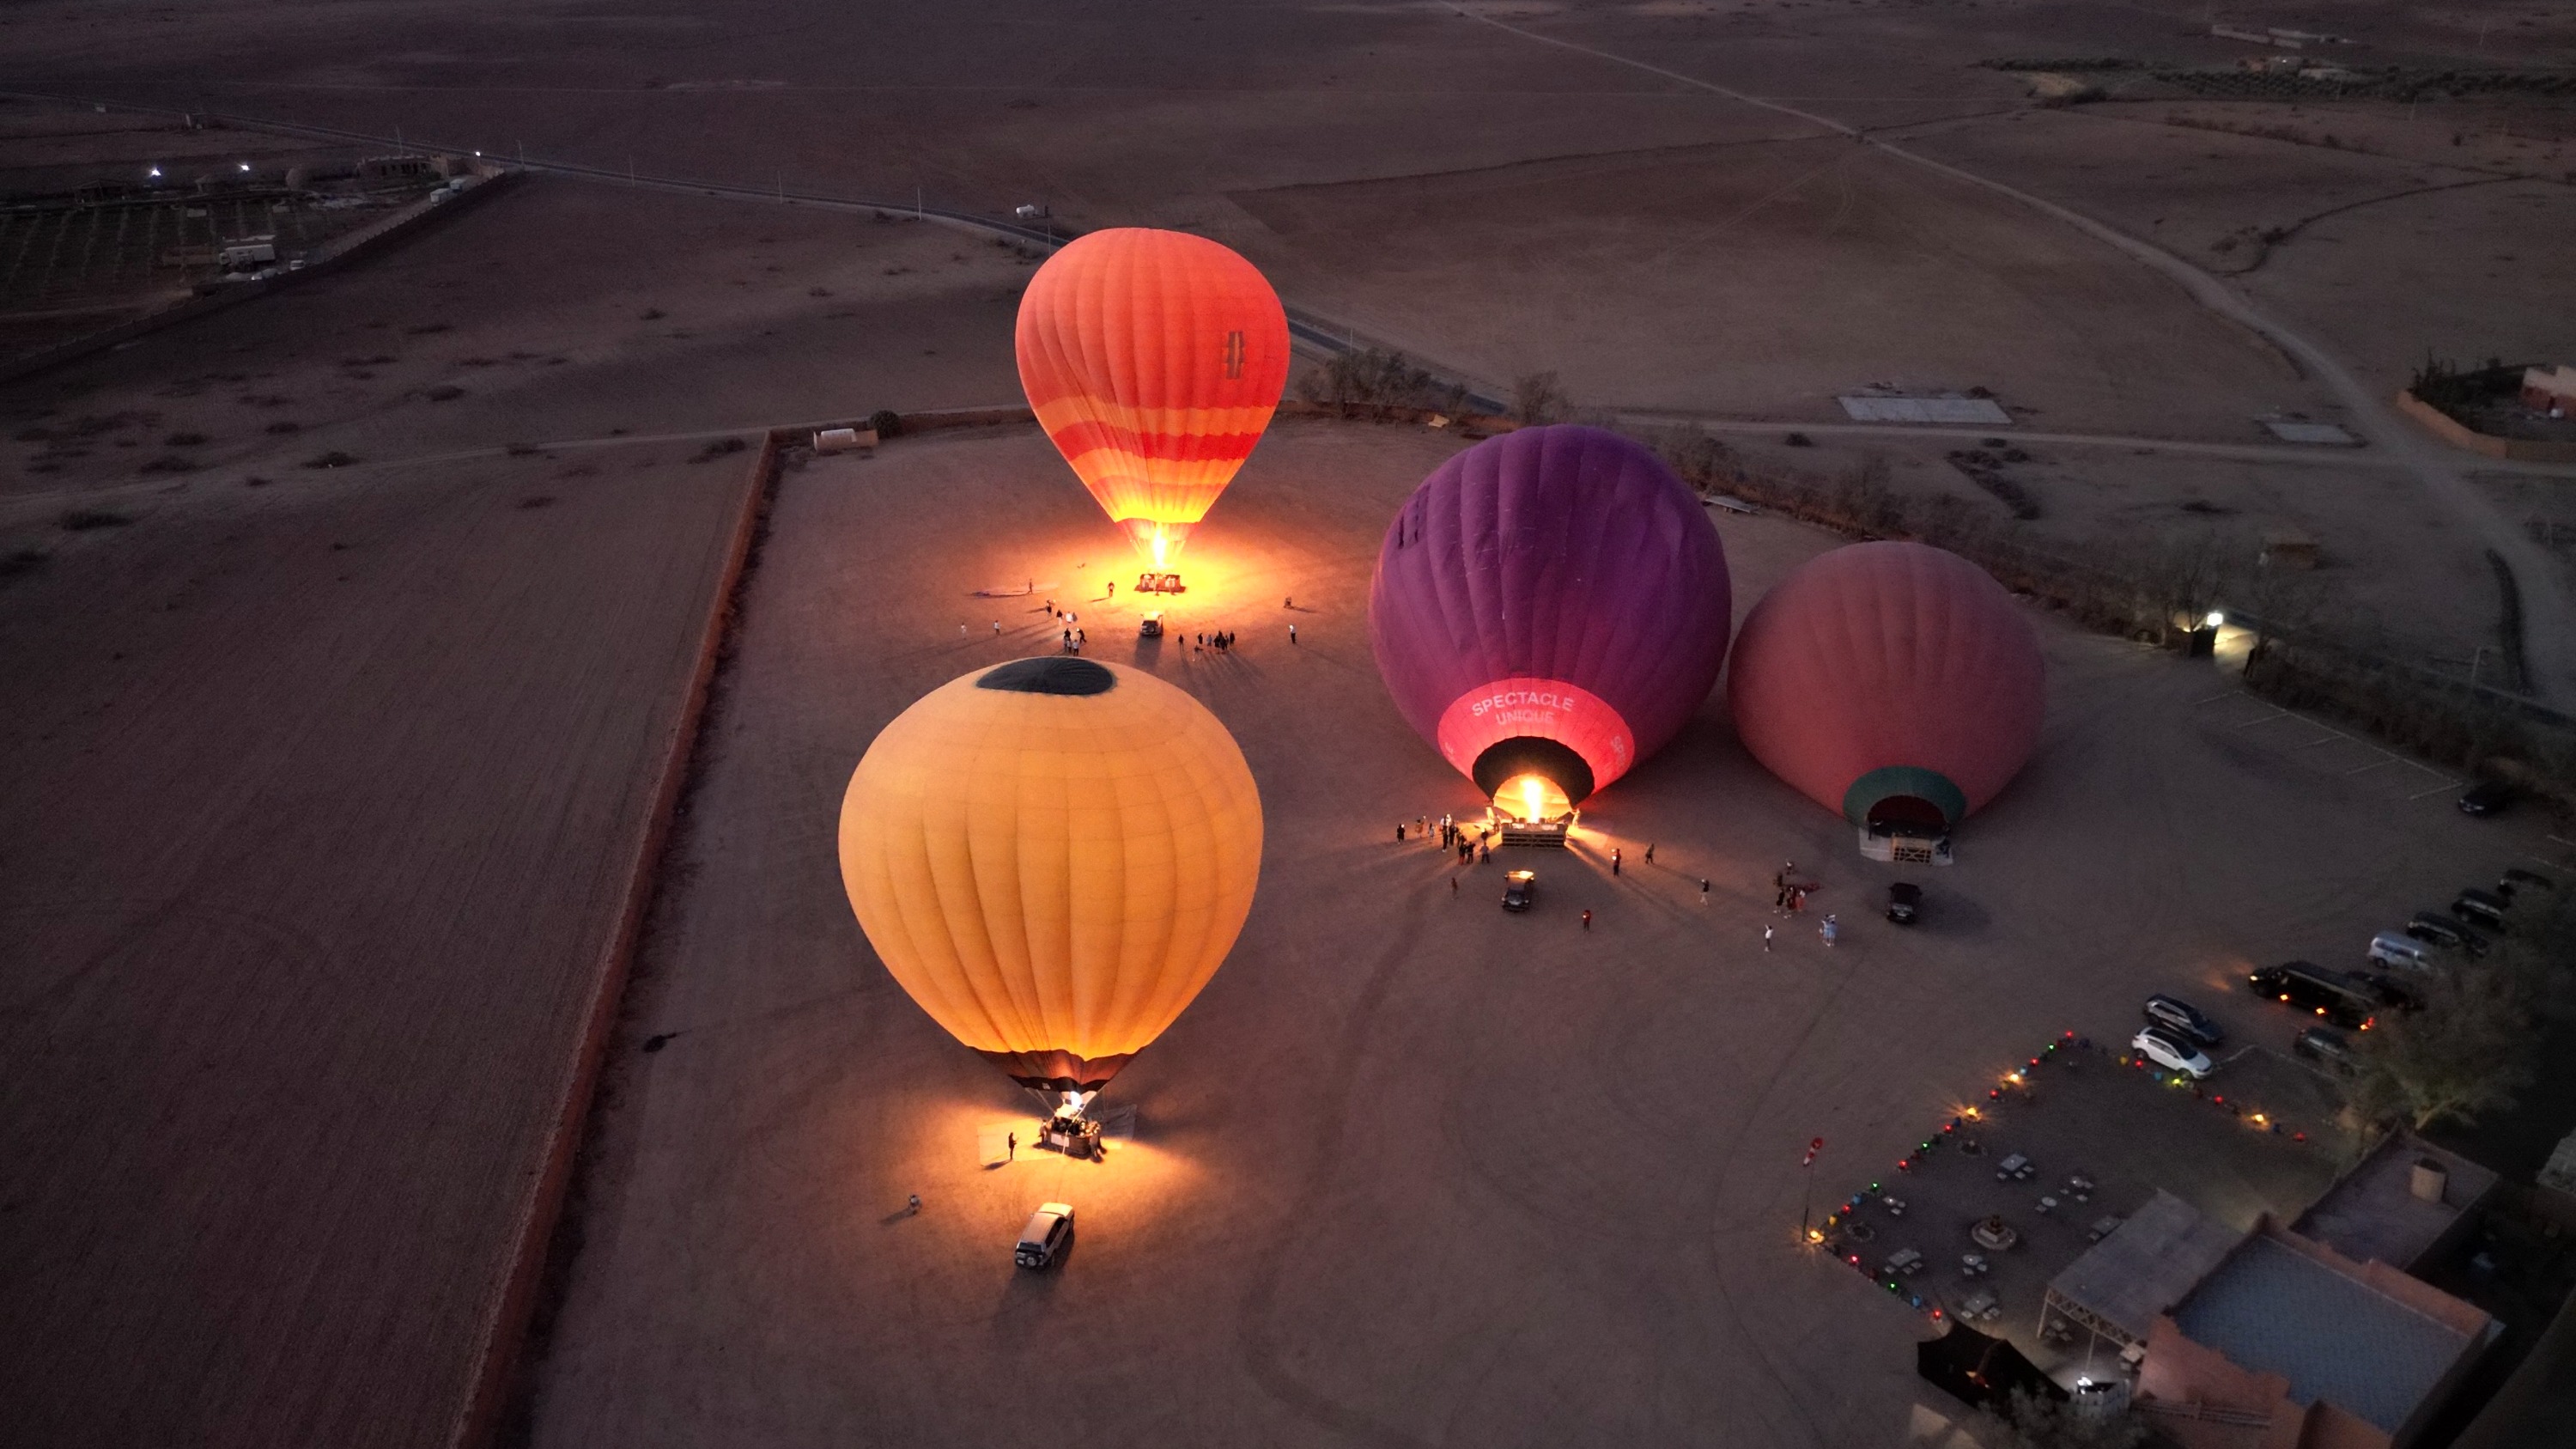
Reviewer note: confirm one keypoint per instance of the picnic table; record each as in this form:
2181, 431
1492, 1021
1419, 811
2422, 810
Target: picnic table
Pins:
2014, 1166
1981, 1304
2102, 1227
1905, 1262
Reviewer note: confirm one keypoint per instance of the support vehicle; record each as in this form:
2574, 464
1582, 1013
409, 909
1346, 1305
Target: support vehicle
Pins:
2317, 991
1048, 1233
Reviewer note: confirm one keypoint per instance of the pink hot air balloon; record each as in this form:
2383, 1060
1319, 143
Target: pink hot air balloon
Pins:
1895, 682
1549, 608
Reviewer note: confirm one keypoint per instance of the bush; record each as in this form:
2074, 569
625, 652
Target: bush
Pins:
887, 422
1378, 384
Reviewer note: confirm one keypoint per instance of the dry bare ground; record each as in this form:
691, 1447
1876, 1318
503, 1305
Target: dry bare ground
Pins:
320, 816
1413, 1170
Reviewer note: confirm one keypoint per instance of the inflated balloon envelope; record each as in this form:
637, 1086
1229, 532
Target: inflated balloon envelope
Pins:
1154, 360
1550, 607
1052, 857
1894, 682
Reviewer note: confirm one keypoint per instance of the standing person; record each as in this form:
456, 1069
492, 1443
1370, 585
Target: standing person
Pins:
1015, 1147
1292, 633
1650, 852
1453, 885
1614, 860
1399, 832
961, 631
1287, 603
997, 626
1080, 637
1113, 588
1587, 920
1766, 940
1703, 890
912, 1205
1826, 930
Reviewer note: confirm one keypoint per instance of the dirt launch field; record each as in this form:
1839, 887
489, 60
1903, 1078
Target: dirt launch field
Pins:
1413, 1170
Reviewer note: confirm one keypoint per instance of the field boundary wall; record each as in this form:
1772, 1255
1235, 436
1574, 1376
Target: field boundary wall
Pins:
505, 1324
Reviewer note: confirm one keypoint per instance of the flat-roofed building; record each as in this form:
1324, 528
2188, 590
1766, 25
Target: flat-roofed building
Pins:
2288, 1344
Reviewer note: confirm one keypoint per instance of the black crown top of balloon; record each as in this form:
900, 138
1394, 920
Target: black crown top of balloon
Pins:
1050, 676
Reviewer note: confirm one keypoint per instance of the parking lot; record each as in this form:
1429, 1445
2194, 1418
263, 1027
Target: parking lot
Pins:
2061, 1151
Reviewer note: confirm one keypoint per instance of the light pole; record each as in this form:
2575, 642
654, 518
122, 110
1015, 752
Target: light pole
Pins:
1807, 1202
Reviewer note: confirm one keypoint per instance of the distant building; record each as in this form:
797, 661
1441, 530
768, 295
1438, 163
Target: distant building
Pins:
2549, 389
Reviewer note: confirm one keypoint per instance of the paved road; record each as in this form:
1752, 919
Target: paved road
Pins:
2549, 619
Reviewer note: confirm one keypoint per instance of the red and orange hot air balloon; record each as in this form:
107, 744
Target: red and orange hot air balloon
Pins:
1153, 359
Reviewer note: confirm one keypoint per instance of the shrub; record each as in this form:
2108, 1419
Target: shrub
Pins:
887, 423
1378, 383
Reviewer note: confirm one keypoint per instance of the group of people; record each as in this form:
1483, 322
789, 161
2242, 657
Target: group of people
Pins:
1219, 641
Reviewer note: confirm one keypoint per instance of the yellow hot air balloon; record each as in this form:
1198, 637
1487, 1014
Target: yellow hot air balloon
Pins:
1052, 857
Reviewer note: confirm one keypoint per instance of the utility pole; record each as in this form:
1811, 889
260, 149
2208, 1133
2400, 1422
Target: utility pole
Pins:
1807, 1203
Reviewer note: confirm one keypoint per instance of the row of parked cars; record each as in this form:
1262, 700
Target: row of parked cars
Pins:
2352, 1000
2179, 1036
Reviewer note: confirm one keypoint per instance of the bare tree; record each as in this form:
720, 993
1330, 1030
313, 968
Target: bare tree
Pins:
1536, 398
2467, 1050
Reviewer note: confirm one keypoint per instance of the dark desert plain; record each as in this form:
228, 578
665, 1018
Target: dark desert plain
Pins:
339, 742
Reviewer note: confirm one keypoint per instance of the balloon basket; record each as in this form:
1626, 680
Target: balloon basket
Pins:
1556, 832
1880, 843
1074, 1136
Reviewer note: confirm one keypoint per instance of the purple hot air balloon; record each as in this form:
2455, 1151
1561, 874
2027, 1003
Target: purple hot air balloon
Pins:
1550, 606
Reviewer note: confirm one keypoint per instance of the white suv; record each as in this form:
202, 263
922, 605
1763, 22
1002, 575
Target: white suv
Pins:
2171, 1052
1048, 1234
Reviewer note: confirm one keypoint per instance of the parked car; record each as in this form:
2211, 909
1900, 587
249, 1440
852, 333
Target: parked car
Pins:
2183, 1019
2486, 797
1151, 626
2317, 991
2480, 908
1048, 1233
2436, 929
2171, 1052
1520, 890
2396, 948
2327, 1045
2390, 991
2515, 878
1904, 903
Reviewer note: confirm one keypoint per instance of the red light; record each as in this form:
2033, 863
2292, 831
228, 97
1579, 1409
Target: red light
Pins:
2034, 1061
2066, 1036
